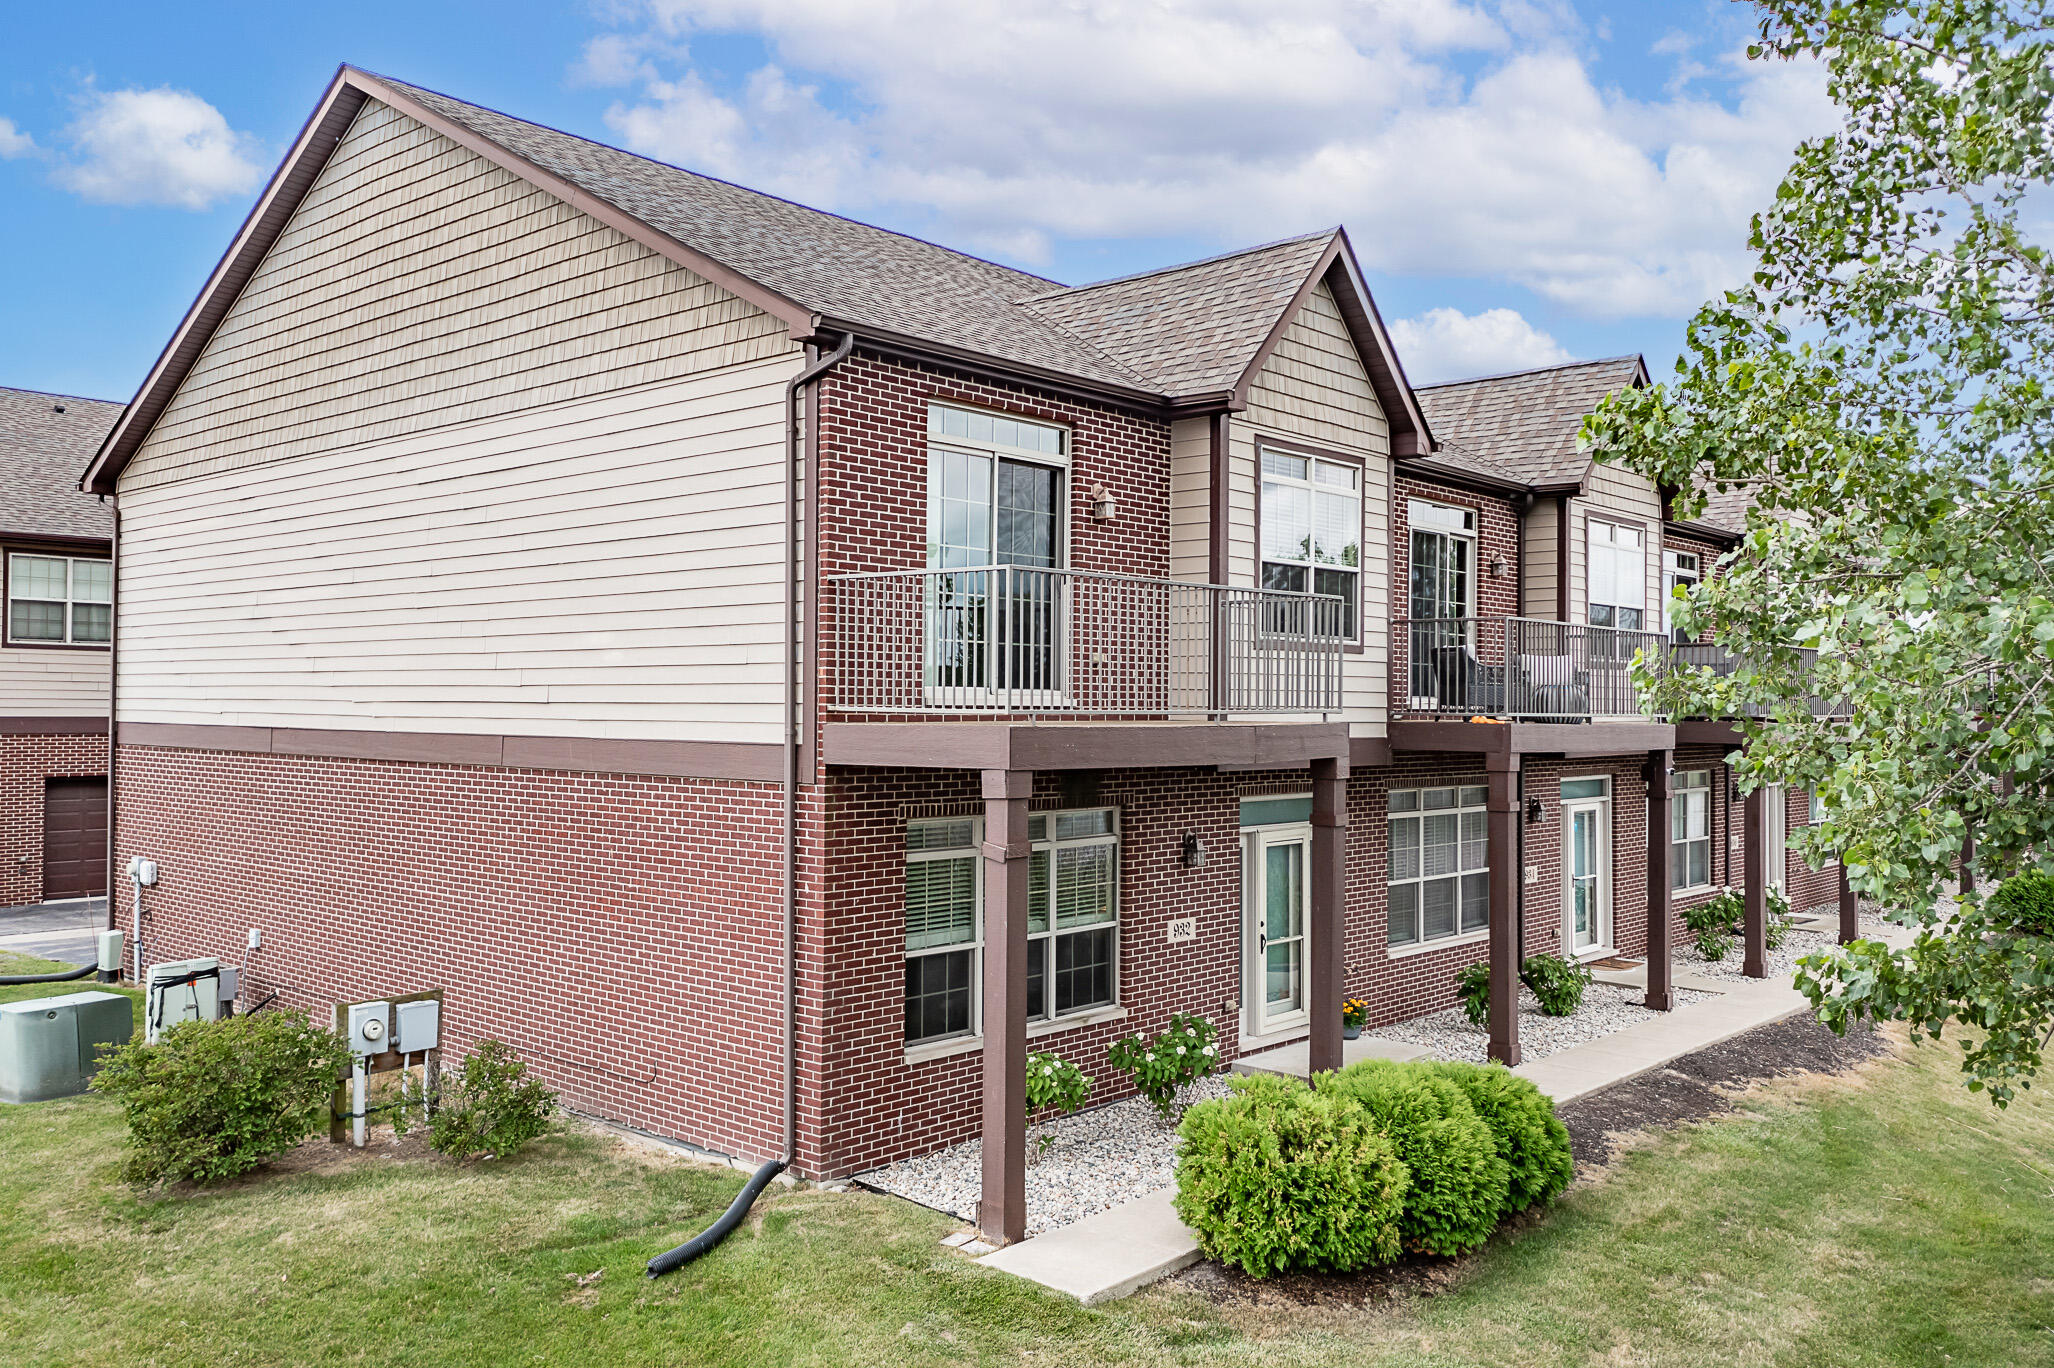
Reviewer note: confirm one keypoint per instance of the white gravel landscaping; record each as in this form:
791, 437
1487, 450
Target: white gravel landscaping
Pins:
1796, 945
1100, 1159
1606, 1008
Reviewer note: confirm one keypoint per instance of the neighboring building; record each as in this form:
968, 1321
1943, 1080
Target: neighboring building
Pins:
481, 577
54, 549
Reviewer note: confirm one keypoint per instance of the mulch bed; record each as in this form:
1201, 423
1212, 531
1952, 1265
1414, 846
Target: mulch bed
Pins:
1687, 1089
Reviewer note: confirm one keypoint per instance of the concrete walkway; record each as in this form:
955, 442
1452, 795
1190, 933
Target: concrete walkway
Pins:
1112, 1254
61, 931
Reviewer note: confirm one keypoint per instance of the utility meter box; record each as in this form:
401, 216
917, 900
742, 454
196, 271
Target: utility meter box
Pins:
417, 1026
370, 1027
50, 1047
178, 991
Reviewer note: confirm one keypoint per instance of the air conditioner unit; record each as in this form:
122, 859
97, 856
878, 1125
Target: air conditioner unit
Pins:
50, 1047
184, 990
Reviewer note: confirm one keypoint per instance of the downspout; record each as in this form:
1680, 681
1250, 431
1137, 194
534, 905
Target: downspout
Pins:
113, 677
677, 1258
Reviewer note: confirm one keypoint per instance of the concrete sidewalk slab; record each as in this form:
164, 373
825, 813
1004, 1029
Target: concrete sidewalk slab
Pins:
1636, 977
1295, 1059
1105, 1256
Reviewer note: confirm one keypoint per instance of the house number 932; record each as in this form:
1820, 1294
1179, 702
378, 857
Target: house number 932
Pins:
1182, 929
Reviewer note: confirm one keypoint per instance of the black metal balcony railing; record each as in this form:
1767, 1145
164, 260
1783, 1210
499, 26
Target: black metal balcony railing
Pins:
1019, 641
1515, 668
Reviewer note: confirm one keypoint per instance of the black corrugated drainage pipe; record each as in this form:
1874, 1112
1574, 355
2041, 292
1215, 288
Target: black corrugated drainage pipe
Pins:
9, 980
672, 1260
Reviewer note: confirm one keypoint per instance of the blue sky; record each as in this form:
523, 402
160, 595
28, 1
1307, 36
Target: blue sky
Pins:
1525, 181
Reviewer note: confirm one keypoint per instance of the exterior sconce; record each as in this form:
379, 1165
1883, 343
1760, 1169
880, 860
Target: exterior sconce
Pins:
1497, 567
1194, 851
1103, 506
1534, 811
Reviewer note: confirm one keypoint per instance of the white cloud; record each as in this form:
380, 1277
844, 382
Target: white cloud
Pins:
13, 142
1451, 138
1447, 344
159, 146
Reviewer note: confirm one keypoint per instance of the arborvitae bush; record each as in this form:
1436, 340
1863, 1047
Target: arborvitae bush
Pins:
1458, 1179
1531, 1140
2025, 903
1276, 1176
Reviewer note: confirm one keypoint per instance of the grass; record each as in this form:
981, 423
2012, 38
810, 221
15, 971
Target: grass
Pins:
1884, 1218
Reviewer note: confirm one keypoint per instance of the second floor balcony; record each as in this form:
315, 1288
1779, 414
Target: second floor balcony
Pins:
1014, 641
1516, 669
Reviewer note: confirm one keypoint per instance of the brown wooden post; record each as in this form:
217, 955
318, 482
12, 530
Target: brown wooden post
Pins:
1968, 856
1850, 908
1002, 1208
1327, 971
1501, 826
1755, 923
1660, 795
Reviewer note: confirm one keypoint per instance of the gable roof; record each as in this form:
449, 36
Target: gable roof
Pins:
45, 440
1191, 336
1527, 422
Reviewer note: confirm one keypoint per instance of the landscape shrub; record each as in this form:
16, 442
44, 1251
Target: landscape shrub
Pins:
1277, 1176
1473, 991
488, 1106
1711, 945
1558, 983
1186, 1050
1531, 1140
1458, 1181
1053, 1081
1718, 915
213, 1099
2025, 902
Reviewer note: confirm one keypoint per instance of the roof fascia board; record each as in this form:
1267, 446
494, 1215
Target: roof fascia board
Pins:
337, 109
1384, 351
923, 352
1246, 381
1426, 468
1725, 536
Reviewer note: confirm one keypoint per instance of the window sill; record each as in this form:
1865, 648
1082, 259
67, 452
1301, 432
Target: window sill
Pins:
960, 1045
1446, 942
1694, 891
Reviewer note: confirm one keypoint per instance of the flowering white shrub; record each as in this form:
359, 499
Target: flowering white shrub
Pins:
1187, 1049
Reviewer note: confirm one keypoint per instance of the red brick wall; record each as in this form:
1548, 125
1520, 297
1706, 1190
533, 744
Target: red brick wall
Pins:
621, 932
1497, 536
25, 762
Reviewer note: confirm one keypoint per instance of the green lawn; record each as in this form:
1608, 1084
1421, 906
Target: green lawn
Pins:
1888, 1218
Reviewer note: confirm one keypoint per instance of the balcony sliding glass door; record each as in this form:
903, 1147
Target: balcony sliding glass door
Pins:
1443, 597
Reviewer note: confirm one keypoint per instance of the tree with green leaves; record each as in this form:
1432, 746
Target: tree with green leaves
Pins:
1880, 392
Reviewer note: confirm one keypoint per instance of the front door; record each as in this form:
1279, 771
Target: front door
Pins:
1586, 871
1280, 861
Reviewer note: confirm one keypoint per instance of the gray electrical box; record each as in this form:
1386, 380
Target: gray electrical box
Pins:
49, 1047
419, 1026
178, 991
370, 1027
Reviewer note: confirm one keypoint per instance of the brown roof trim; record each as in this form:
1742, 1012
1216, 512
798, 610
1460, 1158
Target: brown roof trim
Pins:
1427, 468
902, 348
1724, 536
24, 541
289, 185
1410, 435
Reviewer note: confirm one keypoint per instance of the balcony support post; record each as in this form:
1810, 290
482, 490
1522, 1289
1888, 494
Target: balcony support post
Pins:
1002, 1207
1850, 908
1327, 970
1754, 921
1660, 797
1502, 831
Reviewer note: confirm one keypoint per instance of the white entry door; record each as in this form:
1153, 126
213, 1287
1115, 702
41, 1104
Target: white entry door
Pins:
1277, 893
1586, 866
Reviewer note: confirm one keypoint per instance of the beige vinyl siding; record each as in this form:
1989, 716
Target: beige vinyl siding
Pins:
1612, 489
43, 682
598, 568
419, 286
1191, 499
1314, 391
1539, 550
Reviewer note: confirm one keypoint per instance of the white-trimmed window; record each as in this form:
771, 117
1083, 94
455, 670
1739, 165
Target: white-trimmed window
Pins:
1690, 831
1072, 920
1312, 529
59, 600
1680, 573
1440, 864
1815, 815
1617, 571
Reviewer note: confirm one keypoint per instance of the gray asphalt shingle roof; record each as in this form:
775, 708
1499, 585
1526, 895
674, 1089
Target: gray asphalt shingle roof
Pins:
1527, 422
42, 454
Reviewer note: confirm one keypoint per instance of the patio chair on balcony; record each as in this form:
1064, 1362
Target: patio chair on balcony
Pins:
1463, 684
1549, 689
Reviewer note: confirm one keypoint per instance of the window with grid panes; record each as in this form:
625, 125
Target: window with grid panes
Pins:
59, 600
1690, 831
1440, 864
1312, 529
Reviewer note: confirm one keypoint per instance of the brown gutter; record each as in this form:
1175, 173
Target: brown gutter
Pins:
113, 669
1218, 433
901, 347
1562, 541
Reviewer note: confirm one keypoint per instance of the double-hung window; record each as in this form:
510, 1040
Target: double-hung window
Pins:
1440, 864
1072, 920
1690, 831
59, 600
1815, 815
1617, 569
1312, 530
1680, 571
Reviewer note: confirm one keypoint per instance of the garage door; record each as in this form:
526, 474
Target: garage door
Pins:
74, 838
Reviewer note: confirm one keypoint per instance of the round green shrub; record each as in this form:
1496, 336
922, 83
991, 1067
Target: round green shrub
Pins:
488, 1106
1556, 982
2025, 902
1276, 1176
212, 1099
1531, 1140
1458, 1180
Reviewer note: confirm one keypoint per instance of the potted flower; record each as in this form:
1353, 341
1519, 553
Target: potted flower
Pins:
1354, 1015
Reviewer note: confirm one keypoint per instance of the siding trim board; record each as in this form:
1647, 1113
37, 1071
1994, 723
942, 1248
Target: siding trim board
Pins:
52, 726
754, 761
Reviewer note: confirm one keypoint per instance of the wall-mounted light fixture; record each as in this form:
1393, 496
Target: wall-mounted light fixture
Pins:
1534, 811
1497, 567
1103, 506
1194, 851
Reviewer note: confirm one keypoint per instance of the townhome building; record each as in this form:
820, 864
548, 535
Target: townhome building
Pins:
776, 672
55, 545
